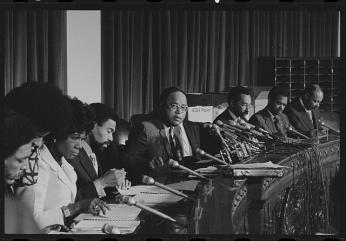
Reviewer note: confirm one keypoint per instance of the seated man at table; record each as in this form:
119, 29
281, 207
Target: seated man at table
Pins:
272, 118
303, 112
94, 180
239, 100
165, 135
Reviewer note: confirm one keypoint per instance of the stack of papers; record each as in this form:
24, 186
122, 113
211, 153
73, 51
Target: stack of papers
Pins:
121, 216
86, 226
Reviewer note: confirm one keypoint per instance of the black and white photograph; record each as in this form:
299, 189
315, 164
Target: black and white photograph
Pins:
172, 119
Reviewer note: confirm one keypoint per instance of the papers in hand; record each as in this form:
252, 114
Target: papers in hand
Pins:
263, 165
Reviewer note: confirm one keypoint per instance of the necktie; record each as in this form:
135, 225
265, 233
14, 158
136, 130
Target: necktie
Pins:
94, 161
175, 145
278, 125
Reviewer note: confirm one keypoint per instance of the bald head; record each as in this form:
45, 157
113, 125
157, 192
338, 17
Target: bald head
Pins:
312, 96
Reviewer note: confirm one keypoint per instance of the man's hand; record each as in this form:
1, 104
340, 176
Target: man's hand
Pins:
124, 185
113, 178
156, 162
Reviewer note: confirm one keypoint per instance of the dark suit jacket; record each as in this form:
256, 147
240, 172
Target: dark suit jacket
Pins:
264, 120
148, 140
213, 144
300, 120
86, 174
224, 117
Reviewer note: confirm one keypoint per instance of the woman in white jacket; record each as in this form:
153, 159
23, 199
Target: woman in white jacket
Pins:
53, 195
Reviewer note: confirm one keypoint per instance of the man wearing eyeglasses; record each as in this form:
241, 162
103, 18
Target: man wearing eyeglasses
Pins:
165, 135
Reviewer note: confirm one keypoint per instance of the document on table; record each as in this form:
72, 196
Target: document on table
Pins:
117, 212
134, 190
189, 185
152, 199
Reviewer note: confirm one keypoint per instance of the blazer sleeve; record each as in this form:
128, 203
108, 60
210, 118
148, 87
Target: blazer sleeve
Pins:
135, 160
257, 121
88, 190
44, 217
293, 118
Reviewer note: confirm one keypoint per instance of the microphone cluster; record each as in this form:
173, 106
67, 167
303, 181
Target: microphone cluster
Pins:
241, 140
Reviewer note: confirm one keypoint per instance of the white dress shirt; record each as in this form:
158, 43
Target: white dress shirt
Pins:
186, 148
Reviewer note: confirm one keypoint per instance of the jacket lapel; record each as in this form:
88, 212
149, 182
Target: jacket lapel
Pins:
68, 178
165, 141
87, 165
190, 135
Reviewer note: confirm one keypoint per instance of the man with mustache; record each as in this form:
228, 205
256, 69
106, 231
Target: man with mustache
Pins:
164, 135
93, 180
303, 112
239, 100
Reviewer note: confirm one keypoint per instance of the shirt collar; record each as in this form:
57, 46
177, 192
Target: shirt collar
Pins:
233, 115
270, 113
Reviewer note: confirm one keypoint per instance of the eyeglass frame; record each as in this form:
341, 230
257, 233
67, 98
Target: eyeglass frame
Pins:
175, 107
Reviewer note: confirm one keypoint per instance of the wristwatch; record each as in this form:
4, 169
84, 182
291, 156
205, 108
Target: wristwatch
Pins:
66, 211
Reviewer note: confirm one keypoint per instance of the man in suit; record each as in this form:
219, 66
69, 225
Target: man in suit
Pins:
239, 100
166, 134
272, 118
93, 180
303, 112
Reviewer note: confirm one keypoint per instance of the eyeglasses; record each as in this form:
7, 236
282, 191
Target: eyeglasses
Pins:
181, 108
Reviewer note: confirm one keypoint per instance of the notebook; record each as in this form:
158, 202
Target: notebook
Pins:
118, 212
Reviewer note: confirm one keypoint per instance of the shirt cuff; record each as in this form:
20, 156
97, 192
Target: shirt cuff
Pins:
99, 188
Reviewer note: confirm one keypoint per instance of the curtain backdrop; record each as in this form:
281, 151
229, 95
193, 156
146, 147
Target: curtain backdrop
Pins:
144, 51
33, 47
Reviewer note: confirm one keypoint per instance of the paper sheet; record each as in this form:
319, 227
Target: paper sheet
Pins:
185, 185
134, 190
209, 169
155, 199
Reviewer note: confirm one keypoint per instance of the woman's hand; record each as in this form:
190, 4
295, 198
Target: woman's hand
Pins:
96, 206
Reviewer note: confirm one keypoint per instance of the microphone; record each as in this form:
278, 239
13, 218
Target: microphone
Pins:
203, 153
176, 164
130, 201
150, 181
218, 133
297, 132
329, 127
110, 229
251, 126
233, 125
